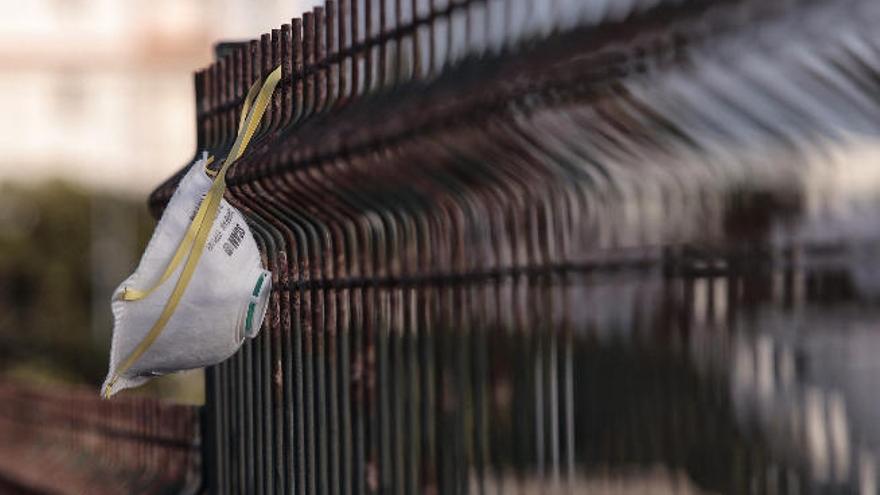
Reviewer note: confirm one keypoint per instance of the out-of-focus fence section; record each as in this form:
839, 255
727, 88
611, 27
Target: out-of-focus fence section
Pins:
480, 218
68, 440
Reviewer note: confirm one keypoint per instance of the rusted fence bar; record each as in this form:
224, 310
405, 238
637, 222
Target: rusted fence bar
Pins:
67, 440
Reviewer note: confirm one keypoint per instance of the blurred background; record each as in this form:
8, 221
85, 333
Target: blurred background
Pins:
746, 366
98, 103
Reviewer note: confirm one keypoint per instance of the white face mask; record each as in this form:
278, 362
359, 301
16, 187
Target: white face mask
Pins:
224, 303
200, 288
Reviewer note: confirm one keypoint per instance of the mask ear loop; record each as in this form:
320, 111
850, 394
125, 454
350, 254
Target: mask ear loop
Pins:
129, 294
202, 223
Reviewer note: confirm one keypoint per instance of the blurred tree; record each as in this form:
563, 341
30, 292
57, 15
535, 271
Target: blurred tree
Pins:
47, 261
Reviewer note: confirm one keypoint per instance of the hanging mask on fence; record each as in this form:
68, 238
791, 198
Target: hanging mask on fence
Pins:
200, 288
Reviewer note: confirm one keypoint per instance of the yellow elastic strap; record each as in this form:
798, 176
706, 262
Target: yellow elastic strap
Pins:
204, 220
129, 294
208, 171
248, 102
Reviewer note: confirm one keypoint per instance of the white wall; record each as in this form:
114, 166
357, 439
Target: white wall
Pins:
100, 91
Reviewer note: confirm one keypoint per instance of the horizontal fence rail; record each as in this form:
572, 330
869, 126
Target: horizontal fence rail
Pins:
518, 246
67, 440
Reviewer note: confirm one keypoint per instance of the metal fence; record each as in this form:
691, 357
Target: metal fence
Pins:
519, 246
494, 253
67, 440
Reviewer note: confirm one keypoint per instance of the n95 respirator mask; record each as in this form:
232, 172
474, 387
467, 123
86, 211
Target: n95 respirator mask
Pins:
200, 288
224, 303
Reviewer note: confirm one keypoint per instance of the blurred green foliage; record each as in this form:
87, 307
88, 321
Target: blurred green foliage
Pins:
51, 326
